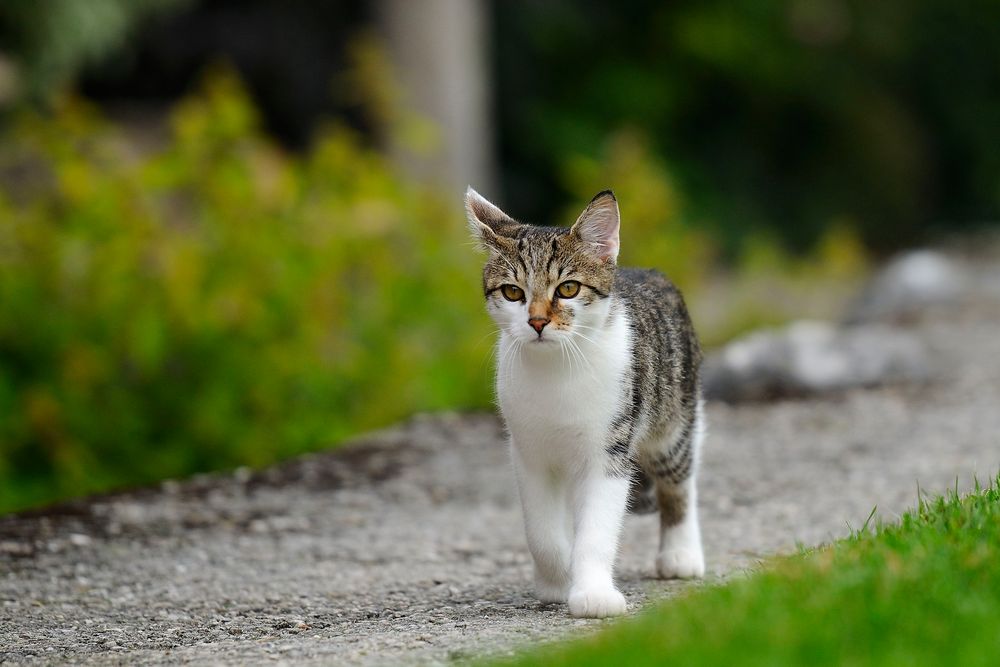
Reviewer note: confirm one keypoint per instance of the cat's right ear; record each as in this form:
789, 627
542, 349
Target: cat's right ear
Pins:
598, 226
485, 219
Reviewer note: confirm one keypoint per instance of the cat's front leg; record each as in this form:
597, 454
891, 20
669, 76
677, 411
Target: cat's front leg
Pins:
599, 509
547, 525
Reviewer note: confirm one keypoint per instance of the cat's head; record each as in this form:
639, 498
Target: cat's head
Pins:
547, 284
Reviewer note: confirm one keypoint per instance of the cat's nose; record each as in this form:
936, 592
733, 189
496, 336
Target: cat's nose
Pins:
538, 323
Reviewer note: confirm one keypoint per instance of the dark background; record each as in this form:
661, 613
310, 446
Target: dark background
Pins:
783, 115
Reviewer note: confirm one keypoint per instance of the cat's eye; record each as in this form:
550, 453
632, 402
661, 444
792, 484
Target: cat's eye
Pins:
568, 289
512, 292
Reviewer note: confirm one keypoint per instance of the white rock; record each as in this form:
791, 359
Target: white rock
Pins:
79, 540
809, 357
908, 284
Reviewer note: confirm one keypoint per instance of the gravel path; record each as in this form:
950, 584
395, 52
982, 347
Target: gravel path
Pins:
407, 547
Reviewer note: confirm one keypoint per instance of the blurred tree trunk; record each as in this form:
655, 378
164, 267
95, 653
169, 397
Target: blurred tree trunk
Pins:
439, 51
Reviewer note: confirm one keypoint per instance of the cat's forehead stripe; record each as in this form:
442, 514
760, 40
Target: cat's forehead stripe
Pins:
552, 256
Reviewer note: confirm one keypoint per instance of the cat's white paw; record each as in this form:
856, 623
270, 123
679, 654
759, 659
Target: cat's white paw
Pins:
680, 564
596, 603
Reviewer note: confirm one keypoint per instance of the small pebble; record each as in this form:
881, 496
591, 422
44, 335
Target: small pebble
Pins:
79, 540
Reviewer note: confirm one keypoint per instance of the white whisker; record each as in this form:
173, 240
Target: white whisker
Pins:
586, 338
584, 361
510, 354
574, 362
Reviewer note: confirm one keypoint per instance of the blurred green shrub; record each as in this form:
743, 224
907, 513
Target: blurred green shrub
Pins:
215, 302
654, 230
765, 284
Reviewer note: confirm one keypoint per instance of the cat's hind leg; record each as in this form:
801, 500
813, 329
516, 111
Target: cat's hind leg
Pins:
680, 555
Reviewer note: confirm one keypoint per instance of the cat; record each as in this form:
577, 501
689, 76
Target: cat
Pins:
597, 381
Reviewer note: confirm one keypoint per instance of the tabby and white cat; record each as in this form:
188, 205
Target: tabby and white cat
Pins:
597, 380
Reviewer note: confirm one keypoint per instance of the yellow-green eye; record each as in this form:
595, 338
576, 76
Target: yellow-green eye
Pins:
568, 289
512, 292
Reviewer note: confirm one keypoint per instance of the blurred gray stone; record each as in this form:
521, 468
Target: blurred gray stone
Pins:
809, 357
907, 285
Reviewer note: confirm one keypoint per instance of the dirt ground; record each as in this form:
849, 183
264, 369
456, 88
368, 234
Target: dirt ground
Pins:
406, 547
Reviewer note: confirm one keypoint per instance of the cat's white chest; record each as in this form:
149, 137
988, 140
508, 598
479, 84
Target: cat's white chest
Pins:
559, 406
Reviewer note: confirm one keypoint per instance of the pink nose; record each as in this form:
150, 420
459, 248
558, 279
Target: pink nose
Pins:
538, 323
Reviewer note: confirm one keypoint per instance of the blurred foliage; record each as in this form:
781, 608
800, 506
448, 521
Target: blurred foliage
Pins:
763, 284
51, 40
215, 302
369, 84
786, 115
651, 207
202, 299
789, 116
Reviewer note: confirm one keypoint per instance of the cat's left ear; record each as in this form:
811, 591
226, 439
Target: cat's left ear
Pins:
598, 226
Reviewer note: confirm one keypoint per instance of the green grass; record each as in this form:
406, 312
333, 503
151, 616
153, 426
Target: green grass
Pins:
925, 590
